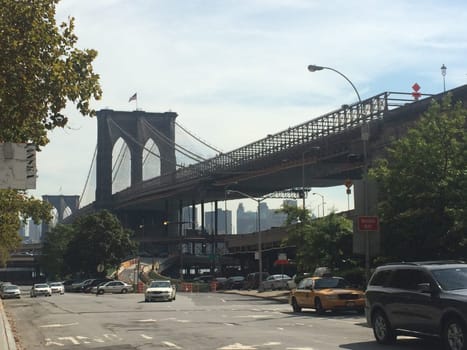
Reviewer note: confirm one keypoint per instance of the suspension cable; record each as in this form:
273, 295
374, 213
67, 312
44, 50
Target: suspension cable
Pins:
143, 146
89, 175
171, 143
197, 138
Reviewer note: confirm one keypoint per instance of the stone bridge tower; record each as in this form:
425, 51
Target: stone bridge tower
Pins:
135, 129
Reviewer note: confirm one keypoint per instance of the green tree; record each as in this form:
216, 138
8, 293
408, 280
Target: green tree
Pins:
55, 246
321, 242
422, 187
40, 71
99, 239
15, 208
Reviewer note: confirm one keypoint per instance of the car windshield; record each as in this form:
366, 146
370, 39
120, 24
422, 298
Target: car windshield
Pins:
452, 278
160, 284
10, 287
55, 284
42, 286
332, 282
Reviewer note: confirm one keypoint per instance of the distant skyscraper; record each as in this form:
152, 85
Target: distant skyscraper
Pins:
247, 222
224, 221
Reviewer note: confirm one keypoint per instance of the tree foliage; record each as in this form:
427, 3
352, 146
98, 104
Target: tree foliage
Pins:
320, 242
55, 245
97, 239
422, 187
40, 71
15, 208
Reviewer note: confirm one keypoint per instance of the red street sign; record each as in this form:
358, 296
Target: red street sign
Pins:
416, 94
281, 262
368, 223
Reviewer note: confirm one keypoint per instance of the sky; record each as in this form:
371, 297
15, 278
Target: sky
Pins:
236, 70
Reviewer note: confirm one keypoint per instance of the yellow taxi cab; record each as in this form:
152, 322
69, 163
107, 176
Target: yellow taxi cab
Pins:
326, 293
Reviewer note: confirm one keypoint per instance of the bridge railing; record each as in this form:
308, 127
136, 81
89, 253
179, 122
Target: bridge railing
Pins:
335, 122
338, 121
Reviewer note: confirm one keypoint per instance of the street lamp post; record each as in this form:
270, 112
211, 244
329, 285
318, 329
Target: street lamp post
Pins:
365, 135
322, 199
258, 224
443, 73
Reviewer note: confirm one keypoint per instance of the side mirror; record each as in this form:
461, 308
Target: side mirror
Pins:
424, 287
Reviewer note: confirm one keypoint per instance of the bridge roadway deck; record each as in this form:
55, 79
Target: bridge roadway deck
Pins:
278, 161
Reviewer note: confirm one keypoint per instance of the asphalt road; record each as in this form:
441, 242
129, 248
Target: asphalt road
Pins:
193, 321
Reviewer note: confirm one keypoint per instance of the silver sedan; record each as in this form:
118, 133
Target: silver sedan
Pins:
112, 287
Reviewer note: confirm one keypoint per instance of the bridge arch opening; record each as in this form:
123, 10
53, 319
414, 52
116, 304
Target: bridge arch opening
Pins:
53, 222
121, 166
151, 160
66, 212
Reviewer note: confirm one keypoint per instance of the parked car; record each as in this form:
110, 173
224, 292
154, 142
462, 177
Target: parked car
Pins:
87, 288
220, 282
78, 285
235, 282
203, 279
68, 285
57, 287
112, 287
274, 282
40, 289
160, 290
326, 293
252, 280
10, 291
419, 299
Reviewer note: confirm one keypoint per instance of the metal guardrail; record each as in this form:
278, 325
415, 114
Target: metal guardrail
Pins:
338, 121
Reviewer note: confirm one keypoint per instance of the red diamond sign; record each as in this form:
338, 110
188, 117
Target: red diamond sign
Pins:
416, 94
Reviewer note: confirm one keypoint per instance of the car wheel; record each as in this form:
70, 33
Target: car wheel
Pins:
319, 307
100, 291
295, 306
454, 335
124, 291
382, 329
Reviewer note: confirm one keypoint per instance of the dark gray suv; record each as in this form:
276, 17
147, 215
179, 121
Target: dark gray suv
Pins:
419, 299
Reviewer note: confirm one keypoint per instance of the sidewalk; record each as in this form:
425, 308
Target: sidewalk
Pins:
7, 340
277, 295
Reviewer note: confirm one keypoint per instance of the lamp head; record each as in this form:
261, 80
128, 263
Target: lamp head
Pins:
443, 70
314, 68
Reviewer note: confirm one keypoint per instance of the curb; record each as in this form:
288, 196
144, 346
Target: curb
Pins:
7, 340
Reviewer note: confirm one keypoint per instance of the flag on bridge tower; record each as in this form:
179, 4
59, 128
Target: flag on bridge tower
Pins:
133, 98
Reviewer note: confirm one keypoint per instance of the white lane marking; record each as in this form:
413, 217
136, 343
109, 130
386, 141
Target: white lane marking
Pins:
71, 339
83, 338
98, 340
57, 325
146, 336
237, 346
148, 320
50, 342
114, 336
280, 328
183, 321
271, 343
172, 345
253, 316
229, 324
299, 348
